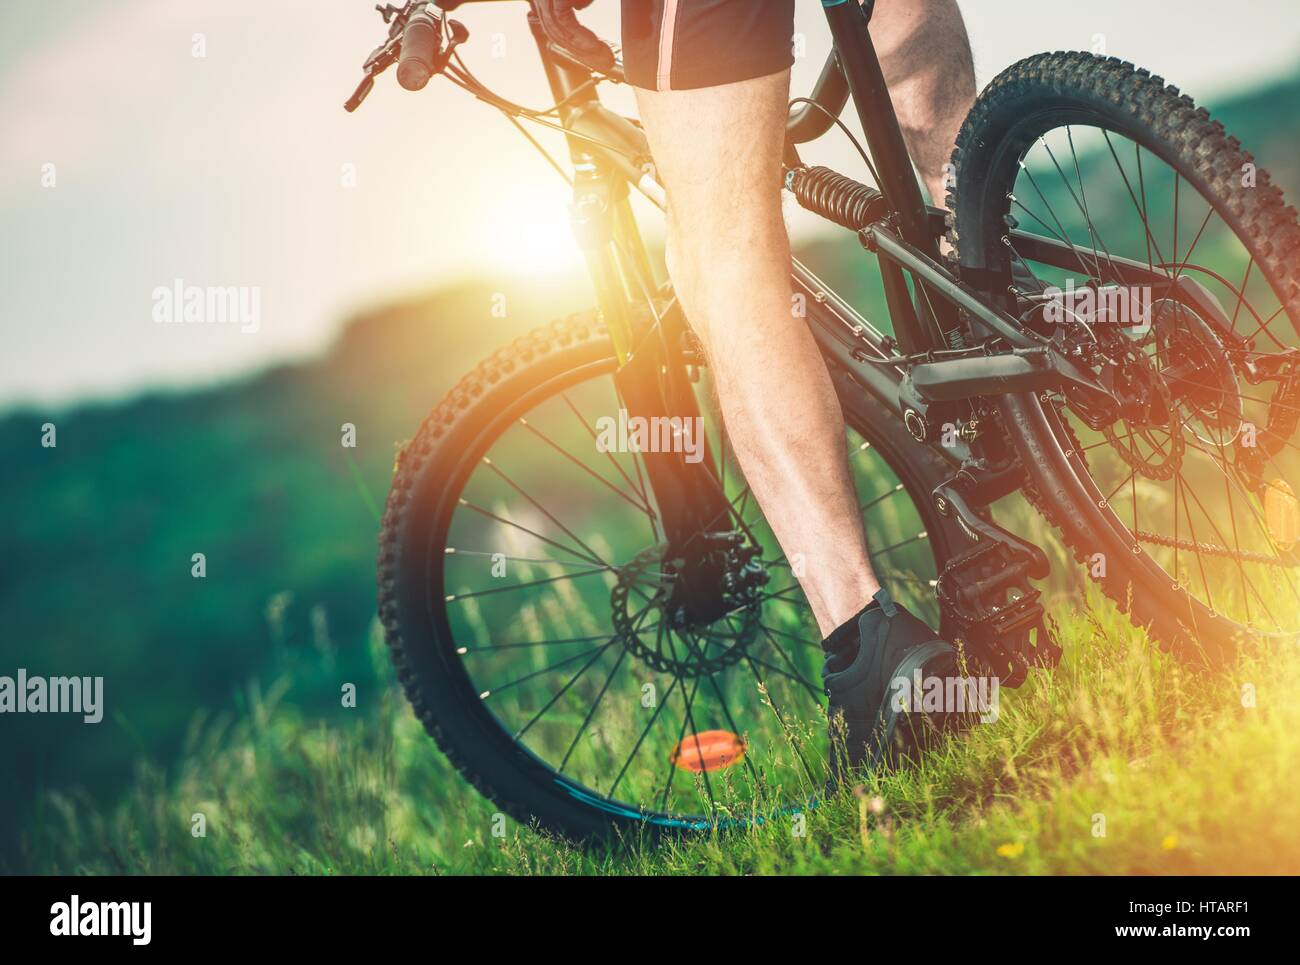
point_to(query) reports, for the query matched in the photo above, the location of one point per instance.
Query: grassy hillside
(222, 692)
(1118, 763)
(95, 568)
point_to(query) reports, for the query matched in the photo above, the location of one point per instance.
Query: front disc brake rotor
(683, 651)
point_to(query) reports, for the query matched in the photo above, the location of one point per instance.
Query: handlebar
(415, 43)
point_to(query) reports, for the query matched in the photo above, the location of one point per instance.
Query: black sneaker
(860, 673)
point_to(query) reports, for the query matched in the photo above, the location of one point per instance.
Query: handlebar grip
(420, 46)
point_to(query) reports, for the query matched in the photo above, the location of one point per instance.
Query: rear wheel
(1183, 507)
(521, 588)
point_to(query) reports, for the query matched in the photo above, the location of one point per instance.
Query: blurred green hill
(95, 557)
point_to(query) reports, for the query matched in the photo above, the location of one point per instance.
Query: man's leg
(926, 58)
(718, 154)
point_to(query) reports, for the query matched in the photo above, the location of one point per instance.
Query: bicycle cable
(466, 82)
(843, 127)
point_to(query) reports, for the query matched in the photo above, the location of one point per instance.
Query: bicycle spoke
(1187, 258)
(1122, 483)
(796, 677)
(1064, 235)
(1263, 327)
(1178, 178)
(592, 558)
(1241, 292)
(695, 733)
(592, 711)
(645, 731)
(899, 545)
(1222, 539)
(465, 651)
(622, 494)
(785, 633)
(539, 561)
(735, 728)
(1081, 202)
(456, 597)
(1200, 563)
(877, 500)
(637, 487)
(561, 692)
(672, 765)
(1141, 210)
(814, 690)
(545, 670)
(541, 509)
(778, 595)
(776, 712)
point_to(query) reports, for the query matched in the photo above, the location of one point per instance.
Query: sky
(144, 142)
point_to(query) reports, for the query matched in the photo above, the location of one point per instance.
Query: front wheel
(522, 583)
(1171, 270)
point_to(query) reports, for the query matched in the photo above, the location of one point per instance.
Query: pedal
(985, 594)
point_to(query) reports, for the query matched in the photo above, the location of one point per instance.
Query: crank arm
(950, 502)
(984, 593)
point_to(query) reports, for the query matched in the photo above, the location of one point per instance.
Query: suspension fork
(651, 380)
(654, 383)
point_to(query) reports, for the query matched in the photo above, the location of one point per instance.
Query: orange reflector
(709, 750)
(1282, 513)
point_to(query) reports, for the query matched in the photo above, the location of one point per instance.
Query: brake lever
(380, 59)
(360, 94)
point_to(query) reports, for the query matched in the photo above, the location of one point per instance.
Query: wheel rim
(549, 560)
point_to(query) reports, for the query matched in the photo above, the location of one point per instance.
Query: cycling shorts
(682, 44)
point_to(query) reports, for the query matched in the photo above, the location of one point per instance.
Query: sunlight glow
(531, 232)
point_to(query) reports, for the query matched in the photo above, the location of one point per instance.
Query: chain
(1211, 549)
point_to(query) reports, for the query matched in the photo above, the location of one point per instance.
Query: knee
(712, 267)
(726, 244)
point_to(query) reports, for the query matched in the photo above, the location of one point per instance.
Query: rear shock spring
(835, 197)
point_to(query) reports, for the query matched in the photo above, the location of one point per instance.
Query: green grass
(1186, 778)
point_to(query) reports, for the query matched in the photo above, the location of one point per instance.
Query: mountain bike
(584, 604)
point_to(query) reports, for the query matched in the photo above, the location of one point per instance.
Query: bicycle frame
(936, 323)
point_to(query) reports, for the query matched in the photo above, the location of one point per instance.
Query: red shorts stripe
(664, 76)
